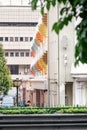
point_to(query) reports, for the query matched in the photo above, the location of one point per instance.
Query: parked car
(7, 101)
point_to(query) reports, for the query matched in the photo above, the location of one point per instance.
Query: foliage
(71, 8)
(37, 110)
(5, 79)
(73, 110)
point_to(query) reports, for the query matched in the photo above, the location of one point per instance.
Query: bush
(37, 110)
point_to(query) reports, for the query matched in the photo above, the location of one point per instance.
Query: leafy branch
(71, 8)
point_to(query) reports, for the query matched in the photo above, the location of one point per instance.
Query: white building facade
(67, 85)
(17, 28)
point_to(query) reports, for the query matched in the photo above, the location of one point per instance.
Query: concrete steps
(43, 122)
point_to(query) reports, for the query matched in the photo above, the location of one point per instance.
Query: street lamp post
(17, 82)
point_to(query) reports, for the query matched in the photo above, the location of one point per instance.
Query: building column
(34, 97)
(80, 93)
(62, 94)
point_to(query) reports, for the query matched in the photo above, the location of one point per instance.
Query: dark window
(21, 39)
(14, 69)
(16, 39)
(6, 39)
(26, 69)
(19, 24)
(27, 53)
(37, 98)
(6, 53)
(26, 39)
(1, 38)
(31, 38)
(16, 53)
(11, 39)
(22, 54)
(11, 54)
(28, 66)
(24, 95)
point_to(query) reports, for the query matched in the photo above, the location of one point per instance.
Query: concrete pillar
(62, 94)
(80, 93)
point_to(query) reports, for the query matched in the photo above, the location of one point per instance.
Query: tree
(5, 79)
(71, 8)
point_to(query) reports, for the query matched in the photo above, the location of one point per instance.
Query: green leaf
(64, 1)
(71, 2)
(60, 1)
(66, 21)
(48, 5)
(58, 26)
(42, 10)
(54, 25)
(62, 11)
(65, 10)
(75, 2)
(78, 49)
(70, 17)
(83, 1)
(83, 34)
(53, 2)
(34, 4)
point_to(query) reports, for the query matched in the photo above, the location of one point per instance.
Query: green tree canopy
(71, 8)
(5, 79)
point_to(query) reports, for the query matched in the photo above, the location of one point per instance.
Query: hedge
(37, 110)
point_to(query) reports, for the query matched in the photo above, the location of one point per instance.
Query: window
(11, 54)
(26, 53)
(16, 39)
(14, 69)
(26, 69)
(6, 39)
(6, 54)
(16, 53)
(26, 39)
(28, 66)
(21, 39)
(18, 24)
(31, 38)
(11, 39)
(22, 54)
(1, 38)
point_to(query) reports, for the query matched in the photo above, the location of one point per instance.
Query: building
(67, 85)
(17, 28)
(79, 75)
(60, 81)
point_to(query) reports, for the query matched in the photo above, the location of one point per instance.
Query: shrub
(37, 110)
